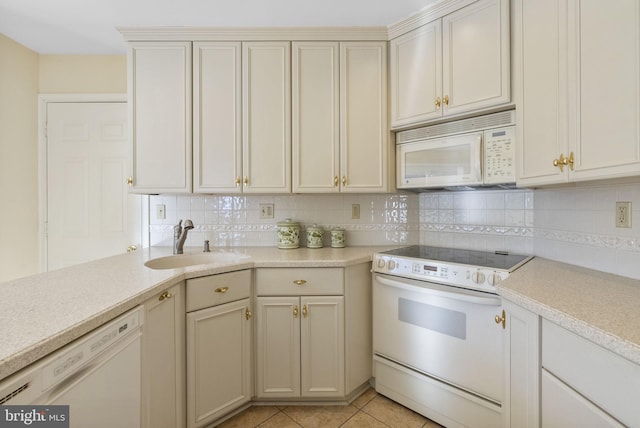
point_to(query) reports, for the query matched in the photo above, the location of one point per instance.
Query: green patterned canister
(337, 237)
(288, 234)
(314, 236)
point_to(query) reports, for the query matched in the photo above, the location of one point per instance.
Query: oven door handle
(455, 295)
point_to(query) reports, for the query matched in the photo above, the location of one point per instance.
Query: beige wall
(87, 74)
(18, 160)
(23, 75)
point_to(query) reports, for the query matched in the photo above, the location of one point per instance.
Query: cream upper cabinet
(316, 116)
(364, 148)
(217, 117)
(339, 117)
(266, 117)
(454, 65)
(576, 120)
(159, 78)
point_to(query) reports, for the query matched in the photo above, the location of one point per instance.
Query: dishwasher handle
(448, 292)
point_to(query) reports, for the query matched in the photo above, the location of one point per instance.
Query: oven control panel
(471, 277)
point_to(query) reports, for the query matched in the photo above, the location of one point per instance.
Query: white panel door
(90, 212)
(316, 117)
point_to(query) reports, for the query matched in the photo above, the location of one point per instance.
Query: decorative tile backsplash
(574, 224)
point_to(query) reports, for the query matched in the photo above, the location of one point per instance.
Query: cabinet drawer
(218, 289)
(299, 281)
(604, 378)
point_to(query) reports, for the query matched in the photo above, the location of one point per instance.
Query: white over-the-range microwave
(466, 153)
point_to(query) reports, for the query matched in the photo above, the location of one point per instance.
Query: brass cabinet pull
(438, 103)
(131, 248)
(304, 311)
(238, 181)
(502, 319)
(445, 100)
(295, 311)
(344, 180)
(336, 181)
(164, 296)
(247, 314)
(561, 162)
(130, 181)
(570, 161)
(221, 290)
(300, 281)
(246, 180)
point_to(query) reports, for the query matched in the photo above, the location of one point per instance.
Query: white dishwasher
(97, 376)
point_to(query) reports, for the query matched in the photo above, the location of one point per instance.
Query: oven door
(447, 333)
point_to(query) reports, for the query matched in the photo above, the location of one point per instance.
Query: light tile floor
(370, 410)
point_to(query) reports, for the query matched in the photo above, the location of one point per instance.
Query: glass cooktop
(496, 260)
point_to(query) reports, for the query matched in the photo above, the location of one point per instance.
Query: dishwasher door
(97, 376)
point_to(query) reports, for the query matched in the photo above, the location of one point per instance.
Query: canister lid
(287, 222)
(314, 228)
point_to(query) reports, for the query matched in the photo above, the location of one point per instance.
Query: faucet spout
(180, 235)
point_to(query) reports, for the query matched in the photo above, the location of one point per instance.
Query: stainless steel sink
(185, 260)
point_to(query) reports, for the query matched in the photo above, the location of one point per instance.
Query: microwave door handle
(478, 159)
(479, 300)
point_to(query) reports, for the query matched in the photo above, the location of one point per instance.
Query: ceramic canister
(337, 237)
(314, 236)
(288, 234)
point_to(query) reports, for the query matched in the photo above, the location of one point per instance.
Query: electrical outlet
(623, 214)
(355, 211)
(266, 210)
(161, 212)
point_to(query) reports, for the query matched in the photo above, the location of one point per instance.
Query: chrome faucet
(180, 235)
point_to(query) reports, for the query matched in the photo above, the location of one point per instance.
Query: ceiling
(89, 26)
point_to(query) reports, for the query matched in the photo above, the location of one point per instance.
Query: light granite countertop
(41, 313)
(598, 306)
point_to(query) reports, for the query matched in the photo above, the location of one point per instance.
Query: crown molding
(137, 34)
(428, 14)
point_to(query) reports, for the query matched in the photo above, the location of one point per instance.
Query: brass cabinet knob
(304, 311)
(344, 180)
(295, 311)
(221, 290)
(501, 319)
(570, 160)
(438, 103)
(336, 181)
(300, 281)
(561, 162)
(238, 181)
(130, 181)
(247, 314)
(445, 100)
(164, 296)
(131, 248)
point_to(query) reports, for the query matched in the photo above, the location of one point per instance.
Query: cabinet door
(266, 117)
(416, 75)
(278, 342)
(476, 63)
(316, 125)
(163, 380)
(217, 125)
(322, 346)
(218, 361)
(363, 117)
(522, 367)
(160, 112)
(604, 69)
(541, 91)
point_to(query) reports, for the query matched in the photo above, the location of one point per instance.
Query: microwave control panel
(499, 155)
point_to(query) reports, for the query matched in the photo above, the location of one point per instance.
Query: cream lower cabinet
(340, 136)
(219, 351)
(163, 392)
(459, 63)
(576, 119)
(313, 332)
(521, 407)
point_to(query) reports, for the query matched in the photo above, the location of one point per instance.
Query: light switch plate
(266, 211)
(161, 212)
(355, 211)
